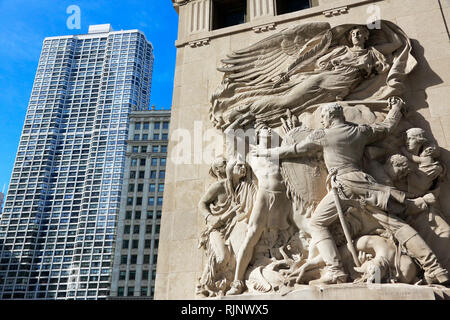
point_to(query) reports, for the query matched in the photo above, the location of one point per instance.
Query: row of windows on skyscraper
(60, 217)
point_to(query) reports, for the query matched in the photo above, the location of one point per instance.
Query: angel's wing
(261, 62)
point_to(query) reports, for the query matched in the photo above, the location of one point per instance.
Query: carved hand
(429, 198)
(395, 102)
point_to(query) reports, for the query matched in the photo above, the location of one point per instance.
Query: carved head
(397, 167)
(236, 169)
(375, 270)
(358, 35)
(415, 138)
(264, 135)
(218, 168)
(239, 169)
(330, 112)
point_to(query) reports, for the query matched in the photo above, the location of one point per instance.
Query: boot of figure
(418, 249)
(334, 272)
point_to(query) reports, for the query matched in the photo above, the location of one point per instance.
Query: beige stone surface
(179, 261)
(181, 285)
(350, 292)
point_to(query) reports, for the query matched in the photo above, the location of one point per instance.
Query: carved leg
(415, 246)
(257, 224)
(419, 250)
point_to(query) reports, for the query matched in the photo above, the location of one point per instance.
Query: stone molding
(335, 11)
(264, 27)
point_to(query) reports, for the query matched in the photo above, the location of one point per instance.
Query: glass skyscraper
(64, 195)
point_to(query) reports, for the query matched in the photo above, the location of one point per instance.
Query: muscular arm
(394, 44)
(411, 157)
(235, 136)
(305, 147)
(382, 129)
(211, 194)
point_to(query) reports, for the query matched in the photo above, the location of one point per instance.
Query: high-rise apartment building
(60, 213)
(2, 197)
(139, 220)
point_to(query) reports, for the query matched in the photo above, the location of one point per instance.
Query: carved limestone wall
(279, 257)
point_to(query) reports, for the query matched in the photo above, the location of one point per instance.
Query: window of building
(155, 149)
(164, 149)
(135, 244)
(164, 137)
(142, 162)
(161, 187)
(227, 13)
(133, 161)
(151, 201)
(122, 275)
(137, 215)
(132, 174)
(129, 201)
(154, 162)
(152, 174)
(131, 188)
(137, 126)
(128, 215)
(145, 275)
(139, 201)
(151, 187)
(123, 259)
(157, 125)
(160, 201)
(136, 229)
(144, 291)
(126, 229)
(120, 291)
(156, 136)
(140, 187)
(133, 259)
(141, 174)
(162, 174)
(286, 6)
(130, 291)
(145, 137)
(162, 161)
(146, 125)
(125, 244)
(165, 125)
(143, 149)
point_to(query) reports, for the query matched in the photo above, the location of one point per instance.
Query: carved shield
(305, 177)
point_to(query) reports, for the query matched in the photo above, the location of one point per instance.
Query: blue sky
(25, 24)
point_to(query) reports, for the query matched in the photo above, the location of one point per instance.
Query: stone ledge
(351, 291)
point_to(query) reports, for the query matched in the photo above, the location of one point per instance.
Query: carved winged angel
(309, 64)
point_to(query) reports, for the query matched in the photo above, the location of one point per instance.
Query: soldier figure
(343, 145)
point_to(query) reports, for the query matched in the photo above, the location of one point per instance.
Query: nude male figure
(271, 208)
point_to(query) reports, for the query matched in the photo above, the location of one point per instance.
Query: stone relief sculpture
(310, 64)
(351, 192)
